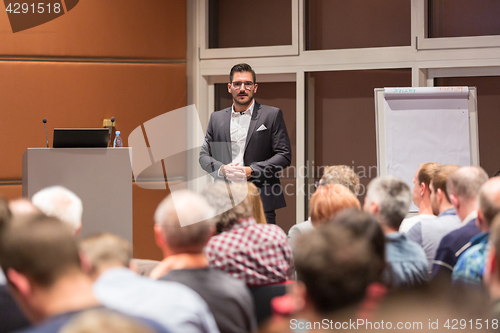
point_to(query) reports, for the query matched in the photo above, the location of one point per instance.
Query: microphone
(45, 125)
(111, 130)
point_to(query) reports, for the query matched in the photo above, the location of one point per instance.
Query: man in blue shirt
(388, 199)
(469, 268)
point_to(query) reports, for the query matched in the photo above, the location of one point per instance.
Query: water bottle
(118, 140)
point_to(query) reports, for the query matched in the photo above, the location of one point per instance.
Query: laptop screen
(80, 138)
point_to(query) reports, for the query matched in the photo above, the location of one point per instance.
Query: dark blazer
(267, 151)
(11, 317)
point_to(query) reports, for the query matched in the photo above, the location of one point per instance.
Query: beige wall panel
(79, 95)
(104, 29)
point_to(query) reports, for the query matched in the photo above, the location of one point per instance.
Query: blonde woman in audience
(258, 210)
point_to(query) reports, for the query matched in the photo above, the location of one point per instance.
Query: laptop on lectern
(80, 138)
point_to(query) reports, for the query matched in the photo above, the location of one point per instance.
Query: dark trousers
(270, 217)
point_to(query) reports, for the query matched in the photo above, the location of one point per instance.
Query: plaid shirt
(259, 254)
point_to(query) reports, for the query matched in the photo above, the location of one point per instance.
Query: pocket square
(261, 128)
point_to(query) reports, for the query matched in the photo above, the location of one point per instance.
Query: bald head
(466, 182)
(194, 211)
(489, 199)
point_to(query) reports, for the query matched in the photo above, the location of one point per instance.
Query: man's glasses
(242, 85)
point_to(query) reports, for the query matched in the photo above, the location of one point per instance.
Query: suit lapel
(253, 123)
(226, 130)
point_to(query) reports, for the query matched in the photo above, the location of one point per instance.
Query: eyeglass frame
(248, 85)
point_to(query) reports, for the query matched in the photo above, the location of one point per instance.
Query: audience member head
(60, 202)
(440, 200)
(340, 174)
(491, 276)
(388, 198)
(22, 207)
(170, 236)
(37, 253)
(104, 251)
(231, 203)
(334, 268)
(258, 209)
(104, 321)
(489, 203)
(328, 200)
(364, 225)
(421, 182)
(462, 187)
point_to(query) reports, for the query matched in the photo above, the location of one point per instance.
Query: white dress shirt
(240, 122)
(470, 217)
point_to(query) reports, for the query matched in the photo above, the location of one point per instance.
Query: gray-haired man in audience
(59, 202)
(228, 298)
(388, 199)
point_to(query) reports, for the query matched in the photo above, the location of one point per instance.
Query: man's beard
(246, 102)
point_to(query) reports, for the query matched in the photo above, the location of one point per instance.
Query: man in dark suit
(248, 141)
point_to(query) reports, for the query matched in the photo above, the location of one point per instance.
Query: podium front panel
(101, 177)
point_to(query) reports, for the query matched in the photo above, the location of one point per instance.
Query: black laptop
(80, 138)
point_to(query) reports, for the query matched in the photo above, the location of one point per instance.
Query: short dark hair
(40, 247)
(5, 213)
(364, 225)
(241, 68)
(335, 266)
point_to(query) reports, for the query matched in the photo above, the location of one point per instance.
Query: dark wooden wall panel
(339, 24)
(104, 29)
(345, 118)
(488, 99)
